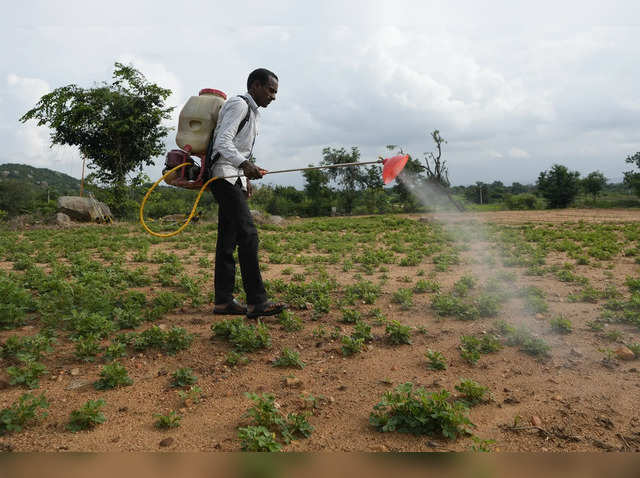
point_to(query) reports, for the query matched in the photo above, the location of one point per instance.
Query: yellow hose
(193, 210)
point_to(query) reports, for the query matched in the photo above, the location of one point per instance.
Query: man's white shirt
(234, 148)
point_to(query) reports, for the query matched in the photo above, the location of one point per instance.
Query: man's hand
(252, 171)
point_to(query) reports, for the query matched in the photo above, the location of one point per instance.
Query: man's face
(265, 94)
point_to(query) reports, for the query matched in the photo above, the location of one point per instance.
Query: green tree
(316, 188)
(350, 178)
(559, 186)
(632, 178)
(594, 183)
(116, 125)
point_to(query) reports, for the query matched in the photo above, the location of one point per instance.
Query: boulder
(84, 209)
(62, 219)
(265, 218)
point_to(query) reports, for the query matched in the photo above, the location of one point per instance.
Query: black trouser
(236, 228)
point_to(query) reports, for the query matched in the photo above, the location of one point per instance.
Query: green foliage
(561, 325)
(113, 375)
(118, 125)
(594, 183)
(350, 316)
(472, 392)
(15, 417)
(397, 333)
(16, 302)
(409, 410)
(258, 439)
(245, 338)
(351, 345)
(87, 417)
(264, 413)
(114, 351)
(559, 186)
(523, 338)
(404, 297)
(436, 360)
(32, 347)
(168, 421)
(463, 285)
(193, 395)
(87, 348)
(183, 377)
(362, 331)
(424, 285)
(472, 346)
(289, 321)
(28, 375)
(234, 358)
(288, 358)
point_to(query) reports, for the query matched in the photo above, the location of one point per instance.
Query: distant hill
(41, 177)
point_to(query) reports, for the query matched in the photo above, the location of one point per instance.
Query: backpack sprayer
(197, 122)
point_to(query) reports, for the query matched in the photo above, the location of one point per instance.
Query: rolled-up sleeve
(232, 113)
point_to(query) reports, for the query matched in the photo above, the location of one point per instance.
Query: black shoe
(266, 308)
(232, 308)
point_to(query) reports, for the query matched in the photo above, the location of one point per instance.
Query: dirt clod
(165, 442)
(624, 353)
(536, 421)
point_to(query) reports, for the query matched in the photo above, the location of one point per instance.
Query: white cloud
(518, 153)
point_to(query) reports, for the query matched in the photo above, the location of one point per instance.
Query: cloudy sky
(513, 86)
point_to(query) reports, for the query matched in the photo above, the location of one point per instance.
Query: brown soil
(581, 404)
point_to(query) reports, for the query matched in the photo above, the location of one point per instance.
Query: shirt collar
(252, 102)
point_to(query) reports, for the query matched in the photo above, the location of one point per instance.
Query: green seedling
(472, 392)
(234, 358)
(193, 395)
(22, 412)
(258, 439)
(168, 421)
(398, 334)
(561, 325)
(113, 375)
(28, 375)
(183, 377)
(351, 345)
(87, 417)
(289, 321)
(409, 410)
(436, 360)
(288, 358)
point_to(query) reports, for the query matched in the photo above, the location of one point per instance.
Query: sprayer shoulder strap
(240, 126)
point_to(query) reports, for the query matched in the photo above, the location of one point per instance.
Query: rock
(625, 353)
(342, 388)
(84, 209)
(536, 421)
(165, 442)
(293, 382)
(576, 353)
(62, 219)
(75, 372)
(539, 317)
(79, 385)
(379, 449)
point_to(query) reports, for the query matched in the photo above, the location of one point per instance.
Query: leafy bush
(86, 417)
(561, 325)
(87, 348)
(436, 360)
(183, 377)
(288, 358)
(362, 331)
(245, 338)
(404, 297)
(32, 347)
(165, 422)
(21, 412)
(523, 201)
(192, 395)
(397, 333)
(114, 351)
(258, 439)
(472, 392)
(351, 345)
(112, 376)
(289, 321)
(424, 285)
(409, 410)
(265, 414)
(350, 316)
(28, 375)
(471, 347)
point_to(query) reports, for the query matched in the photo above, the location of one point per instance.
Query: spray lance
(391, 167)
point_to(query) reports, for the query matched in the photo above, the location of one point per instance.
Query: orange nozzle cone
(393, 166)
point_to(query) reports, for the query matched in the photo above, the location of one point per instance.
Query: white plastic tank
(198, 119)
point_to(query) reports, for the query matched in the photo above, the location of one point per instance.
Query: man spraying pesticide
(226, 160)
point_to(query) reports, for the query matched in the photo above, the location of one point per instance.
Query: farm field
(517, 331)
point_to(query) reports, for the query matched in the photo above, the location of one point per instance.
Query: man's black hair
(262, 75)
